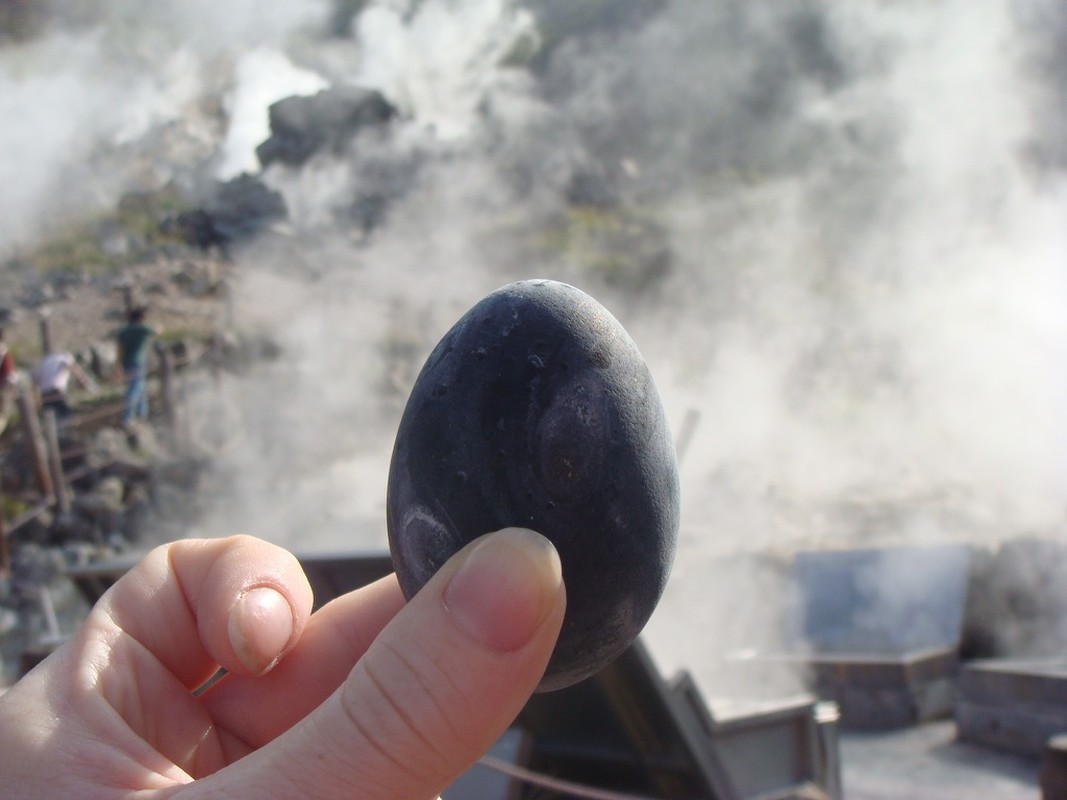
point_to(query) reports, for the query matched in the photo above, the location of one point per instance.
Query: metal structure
(1016, 706)
(876, 631)
(625, 732)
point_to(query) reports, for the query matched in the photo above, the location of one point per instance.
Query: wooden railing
(40, 432)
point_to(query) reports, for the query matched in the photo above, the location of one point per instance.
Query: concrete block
(1054, 769)
(1015, 706)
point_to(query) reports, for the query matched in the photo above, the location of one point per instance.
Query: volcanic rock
(302, 126)
(237, 209)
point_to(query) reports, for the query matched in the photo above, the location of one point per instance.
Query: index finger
(333, 640)
(177, 601)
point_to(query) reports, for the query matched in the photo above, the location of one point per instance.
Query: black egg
(536, 410)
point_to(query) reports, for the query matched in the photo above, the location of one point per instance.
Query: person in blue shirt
(133, 339)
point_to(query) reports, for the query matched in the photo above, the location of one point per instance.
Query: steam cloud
(863, 205)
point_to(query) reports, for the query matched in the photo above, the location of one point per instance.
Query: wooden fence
(40, 432)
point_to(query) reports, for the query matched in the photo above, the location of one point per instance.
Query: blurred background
(836, 231)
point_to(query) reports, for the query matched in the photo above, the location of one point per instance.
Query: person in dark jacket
(133, 339)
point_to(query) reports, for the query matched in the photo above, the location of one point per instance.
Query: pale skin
(370, 697)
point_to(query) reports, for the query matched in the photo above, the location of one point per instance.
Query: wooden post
(55, 461)
(51, 621)
(166, 390)
(46, 336)
(166, 381)
(32, 429)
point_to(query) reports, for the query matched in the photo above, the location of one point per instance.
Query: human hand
(435, 682)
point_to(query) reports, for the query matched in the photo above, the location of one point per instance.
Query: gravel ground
(928, 763)
(183, 296)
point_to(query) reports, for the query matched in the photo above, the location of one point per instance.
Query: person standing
(133, 340)
(52, 377)
(7, 382)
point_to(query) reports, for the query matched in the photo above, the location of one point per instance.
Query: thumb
(439, 685)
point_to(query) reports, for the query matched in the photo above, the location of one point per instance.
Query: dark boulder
(237, 209)
(302, 126)
(380, 182)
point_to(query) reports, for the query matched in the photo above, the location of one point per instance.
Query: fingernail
(261, 624)
(505, 588)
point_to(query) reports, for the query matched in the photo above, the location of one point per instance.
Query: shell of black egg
(536, 410)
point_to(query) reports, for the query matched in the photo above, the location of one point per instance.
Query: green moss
(107, 394)
(25, 347)
(140, 220)
(12, 507)
(619, 247)
(169, 336)
(144, 214)
(76, 250)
